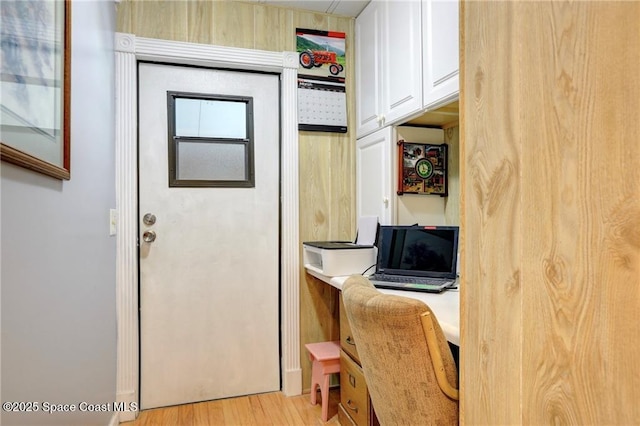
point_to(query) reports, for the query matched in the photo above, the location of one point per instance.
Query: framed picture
(35, 85)
(422, 168)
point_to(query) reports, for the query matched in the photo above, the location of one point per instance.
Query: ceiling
(335, 7)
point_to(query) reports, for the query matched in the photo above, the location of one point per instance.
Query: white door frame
(130, 49)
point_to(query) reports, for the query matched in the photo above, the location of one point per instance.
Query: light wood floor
(263, 409)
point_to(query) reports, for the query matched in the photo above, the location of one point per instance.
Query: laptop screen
(421, 251)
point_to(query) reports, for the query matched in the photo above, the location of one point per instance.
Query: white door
(209, 303)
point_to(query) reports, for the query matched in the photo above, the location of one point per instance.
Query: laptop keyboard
(409, 280)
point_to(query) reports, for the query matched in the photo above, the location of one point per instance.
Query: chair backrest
(395, 356)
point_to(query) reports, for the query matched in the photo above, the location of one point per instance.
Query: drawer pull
(350, 341)
(352, 380)
(353, 408)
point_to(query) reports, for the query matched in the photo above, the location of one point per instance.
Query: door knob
(149, 236)
(149, 219)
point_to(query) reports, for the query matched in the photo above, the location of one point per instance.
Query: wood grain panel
(491, 294)
(200, 22)
(552, 161)
(327, 203)
(452, 202)
(123, 17)
(310, 20)
(343, 145)
(233, 24)
(581, 252)
(272, 29)
(327, 164)
(164, 19)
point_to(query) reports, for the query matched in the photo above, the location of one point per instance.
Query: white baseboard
(114, 420)
(292, 383)
(130, 398)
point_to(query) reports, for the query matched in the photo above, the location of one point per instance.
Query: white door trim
(130, 49)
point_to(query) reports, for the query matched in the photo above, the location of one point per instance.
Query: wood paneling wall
(327, 164)
(550, 122)
(452, 201)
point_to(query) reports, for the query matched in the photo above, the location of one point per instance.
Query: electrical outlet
(112, 222)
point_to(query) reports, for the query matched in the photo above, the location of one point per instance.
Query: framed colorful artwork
(422, 168)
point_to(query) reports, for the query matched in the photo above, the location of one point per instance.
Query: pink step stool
(325, 359)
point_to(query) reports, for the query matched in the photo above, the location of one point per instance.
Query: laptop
(416, 258)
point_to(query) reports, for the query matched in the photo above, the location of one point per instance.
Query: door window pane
(211, 118)
(210, 140)
(211, 161)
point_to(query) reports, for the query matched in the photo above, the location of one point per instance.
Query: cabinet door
(441, 52)
(368, 84)
(374, 176)
(401, 60)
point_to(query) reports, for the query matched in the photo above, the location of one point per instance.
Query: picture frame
(422, 168)
(36, 86)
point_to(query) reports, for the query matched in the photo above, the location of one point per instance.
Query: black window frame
(248, 143)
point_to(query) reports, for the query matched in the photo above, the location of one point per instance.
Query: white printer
(337, 258)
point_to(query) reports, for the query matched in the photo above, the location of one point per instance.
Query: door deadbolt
(149, 236)
(149, 219)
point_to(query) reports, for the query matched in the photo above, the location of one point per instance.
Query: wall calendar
(322, 100)
(321, 106)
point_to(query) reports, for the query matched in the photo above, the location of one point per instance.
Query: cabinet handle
(380, 120)
(353, 408)
(352, 380)
(350, 341)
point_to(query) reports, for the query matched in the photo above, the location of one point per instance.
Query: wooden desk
(445, 305)
(355, 406)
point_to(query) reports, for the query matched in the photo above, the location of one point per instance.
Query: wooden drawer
(346, 338)
(354, 396)
(343, 417)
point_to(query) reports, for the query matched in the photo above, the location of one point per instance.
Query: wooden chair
(406, 360)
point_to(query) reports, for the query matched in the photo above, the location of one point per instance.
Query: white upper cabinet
(375, 194)
(388, 64)
(440, 26)
(368, 56)
(401, 60)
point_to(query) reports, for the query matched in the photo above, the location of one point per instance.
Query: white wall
(415, 208)
(58, 261)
